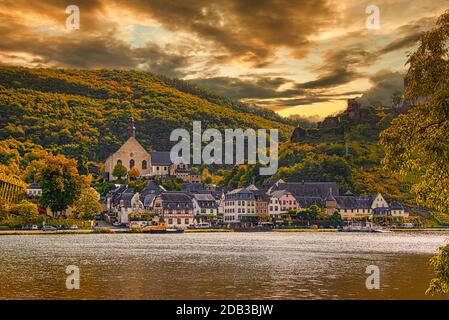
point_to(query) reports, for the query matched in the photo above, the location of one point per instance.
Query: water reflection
(217, 266)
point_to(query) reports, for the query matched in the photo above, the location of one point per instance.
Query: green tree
(208, 180)
(417, 143)
(61, 184)
(336, 219)
(88, 204)
(25, 209)
(313, 212)
(119, 171)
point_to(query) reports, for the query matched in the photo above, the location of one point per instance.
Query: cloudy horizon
(294, 57)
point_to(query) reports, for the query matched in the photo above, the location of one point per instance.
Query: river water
(218, 265)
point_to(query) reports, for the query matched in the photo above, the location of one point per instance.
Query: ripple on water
(217, 266)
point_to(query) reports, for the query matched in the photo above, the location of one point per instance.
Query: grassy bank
(305, 230)
(207, 230)
(40, 232)
(419, 229)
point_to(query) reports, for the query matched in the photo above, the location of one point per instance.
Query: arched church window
(119, 162)
(144, 164)
(131, 163)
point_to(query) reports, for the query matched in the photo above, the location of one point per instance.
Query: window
(119, 161)
(144, 164)
(131, 163)
(186, 221)
(170, 221)
(178, 220)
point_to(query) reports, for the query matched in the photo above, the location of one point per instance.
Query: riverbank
(123, 230)
(305, 230)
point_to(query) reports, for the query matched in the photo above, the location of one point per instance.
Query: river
(218, 265)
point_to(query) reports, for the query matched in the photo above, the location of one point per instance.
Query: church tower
(132, 128)
(331, 203)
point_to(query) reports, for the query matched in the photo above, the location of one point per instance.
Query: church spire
(132, 128)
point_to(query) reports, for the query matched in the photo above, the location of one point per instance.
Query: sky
(303, 57)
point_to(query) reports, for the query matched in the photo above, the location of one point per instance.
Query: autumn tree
(417, 143)
(133, 173)
(119, 171)
(440, 263)
(25, 209)
(88, 204)
(61, 184)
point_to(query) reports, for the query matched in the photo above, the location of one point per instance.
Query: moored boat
(161, 227)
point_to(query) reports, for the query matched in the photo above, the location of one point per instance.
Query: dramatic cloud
(280, 54)
(385, 84)
(249, 32)
(258, 87)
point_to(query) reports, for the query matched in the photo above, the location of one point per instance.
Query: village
(197, 205)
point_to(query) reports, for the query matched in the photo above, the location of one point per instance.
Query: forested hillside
(347, 152)
(84, 113)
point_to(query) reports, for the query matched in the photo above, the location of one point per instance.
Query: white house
(205, 208)
(239, 206)
(34, 190)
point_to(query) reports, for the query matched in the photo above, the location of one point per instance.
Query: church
(150, 165)
(130, 154)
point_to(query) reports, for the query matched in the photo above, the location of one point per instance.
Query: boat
(357, 228)
(380, 230)
(161, 227)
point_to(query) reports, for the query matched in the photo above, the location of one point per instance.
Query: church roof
(307, 202)
(131, 144)
(160, 158)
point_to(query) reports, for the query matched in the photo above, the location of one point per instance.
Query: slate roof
(176, 200)
(394, 205)
(152, 188)
(308, 189)
(352, 202)
(240, 194)
(307, 202)
(160, 158)
(126, 197)
(34, 186)
(148, 200)
(279, 193)
(260, 195)
(205, 200)
(203, 197)
(192, 187)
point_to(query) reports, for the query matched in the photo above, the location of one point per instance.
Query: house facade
(205, 208)
(176, 208)
(34, 190)
(239, 207)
